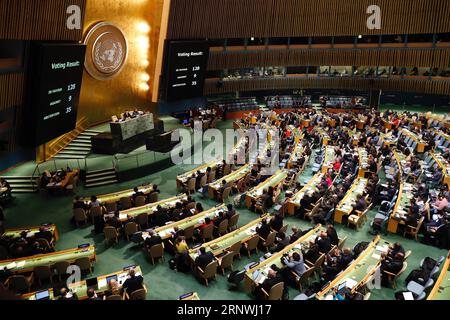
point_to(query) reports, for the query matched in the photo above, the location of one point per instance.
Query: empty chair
(212, 176)
(304, 297)
(236, 249)
(19, 283)
(226, 170)
(43, 273)
(142, 221)
(418, 289)
(139, 201)
(155, 252)
(232, 223)
(189, 232)
(209, 272)
(140, 294)
(252, 244)
(61, 268)
(407, 254)
(304, 279)
(283, 229)
(342, 243)
(84, 264)
(203, 181)
(111, 234)
(207, 233)
(268, 243)
(275, 293)
(227, 261)
(80, 216)
(125, 203)
(130, 229)
(225, 195)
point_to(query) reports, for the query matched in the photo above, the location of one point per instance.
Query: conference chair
(43, 273)
(225, 195)
(140, 294)
(275, 293)
(153, 197)
(222, 228)
(19, 283)
(392, 278)
(252, 244)
(318, 264)
(342, 243)
(114, 297)
(142, 221)
(226, 170)
(190, 205)
(407, 254)
(139, 201)
(227, 262)
(95, 212)
(212, 176)
(111, 207)
(283, 229)
(111, 234)
(125, 203)
(268, 243)
(130, 229)
(236, 249)
(80, 216)
(207, 233)
(155, 252)
(203, 181)
(189, 232)
(48, 246)
(190, 186)
(232, 223)
(61, 269)
(304, 278)
(209, 272)
(84, 264)
(414, 231)
(419, 290)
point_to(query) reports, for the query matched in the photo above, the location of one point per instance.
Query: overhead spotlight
(360, 37)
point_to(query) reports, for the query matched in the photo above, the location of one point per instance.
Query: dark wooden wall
(438, 58)
(401, 85)
(217, 19)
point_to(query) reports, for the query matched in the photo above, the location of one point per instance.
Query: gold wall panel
(140, 20)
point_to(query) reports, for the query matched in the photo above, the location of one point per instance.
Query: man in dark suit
(296, 234)
(332, 235)
(204, 258)
(272, 279)
(230, 211)
(264, 230)
(44, 233)
(133, 282)
(313, 253)
(92, 295)
(153, 239)
(323, 242)
(137, 193)
(78, 204)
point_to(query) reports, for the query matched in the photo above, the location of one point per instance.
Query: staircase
(22, 184)
(78, 148)
(101, 178)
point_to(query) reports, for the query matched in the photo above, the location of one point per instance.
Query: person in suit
(277, 222)
(153, 239)
(332, 235)
(273, 278)
(323, 242)
(198, 179)
(133, 283)
(65, 294)
(137, 193)
(283, 242)
(79, 204)
(296, 234)
(230, 211)
(391, 265)
(264, 230)
(313, 253)
(44, 233)
(344, 259)
(92, 295)
(204, 258)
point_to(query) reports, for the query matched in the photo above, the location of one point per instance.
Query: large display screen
(185, 71)
(55, 78)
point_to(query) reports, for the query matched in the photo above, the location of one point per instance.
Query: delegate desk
(354, 135)
(274, 181)
(150, 208)
(400, 210)
(344, 208)
(296, 154)
(358, 272)
(232, 178)
(363, 161)
(309, 187)
(328, 159)
(221, 245)
(132, 127)
(323, 134)
(441, 289)
(182, 179)
(27, 264)
(259, 271)
(64, 182)
(421, 144)
(80, 288)
(444, 165)
(165, 232)
(116, 196)
(31, 231)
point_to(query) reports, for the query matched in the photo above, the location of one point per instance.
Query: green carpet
(162, 282)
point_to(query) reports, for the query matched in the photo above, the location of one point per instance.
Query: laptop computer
(42, 295)
(108, 279)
